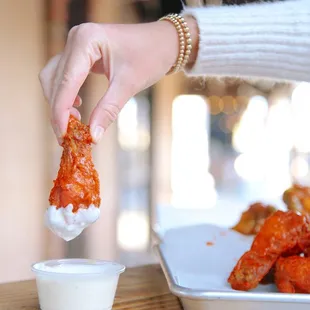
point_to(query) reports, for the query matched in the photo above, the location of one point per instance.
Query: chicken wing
(292, 274)
(297, 198)
(253, 218)
(74, 199)
(281, 232)
(77, 182)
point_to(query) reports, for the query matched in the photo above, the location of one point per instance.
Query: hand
(133, 57)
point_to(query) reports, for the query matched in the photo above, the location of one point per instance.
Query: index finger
(71, 73)
(71, 78)
(47, 76)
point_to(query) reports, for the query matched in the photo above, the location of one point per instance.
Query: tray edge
(184, 292)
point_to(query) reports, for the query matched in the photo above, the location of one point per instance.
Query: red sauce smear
(77, 182)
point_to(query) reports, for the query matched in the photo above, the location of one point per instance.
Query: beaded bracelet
(185, 41)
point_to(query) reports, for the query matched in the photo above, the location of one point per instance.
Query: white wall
(23, 190)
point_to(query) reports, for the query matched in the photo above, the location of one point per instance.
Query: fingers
(75, 113)
(77, 102)
(73, 68)
(107, 110)
(66, 91)
(98, 67)
(47, 75)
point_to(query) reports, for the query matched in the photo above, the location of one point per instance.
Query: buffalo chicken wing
(253, 218)
(74, 199)
(282, 232)
(297, 198)
(292, 274)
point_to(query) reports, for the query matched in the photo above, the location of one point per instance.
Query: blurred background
(185, 151)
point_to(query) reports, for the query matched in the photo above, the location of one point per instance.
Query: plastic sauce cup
(77, 284)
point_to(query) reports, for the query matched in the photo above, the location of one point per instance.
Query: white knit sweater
(270, 40)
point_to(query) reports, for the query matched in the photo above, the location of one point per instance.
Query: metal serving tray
(197, 261)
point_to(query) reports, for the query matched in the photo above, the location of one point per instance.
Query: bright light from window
(250, 167)
(249, 133)
(133, 230)
(299, 167)
(278, 127)
(192, 184)
(301, 92)
(264, 137)
(128, 118)
(301, 112)
(131, 136)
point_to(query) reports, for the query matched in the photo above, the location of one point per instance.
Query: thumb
(107, 110)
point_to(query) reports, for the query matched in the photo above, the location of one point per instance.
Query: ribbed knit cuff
(258, 40)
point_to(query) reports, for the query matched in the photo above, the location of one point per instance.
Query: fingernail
(77, 101)
(97, 133)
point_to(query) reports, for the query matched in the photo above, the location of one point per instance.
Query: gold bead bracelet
(185, 41)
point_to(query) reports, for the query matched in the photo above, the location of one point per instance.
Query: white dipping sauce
(77, 284)
(68, 225)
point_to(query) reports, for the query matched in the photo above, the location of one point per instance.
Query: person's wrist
(170, 42)
(171, 39)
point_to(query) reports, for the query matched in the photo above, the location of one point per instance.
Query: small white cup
(77, 284)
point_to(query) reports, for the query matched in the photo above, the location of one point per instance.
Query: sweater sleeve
(270, 40)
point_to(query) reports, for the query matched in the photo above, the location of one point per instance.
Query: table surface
(142, 288)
